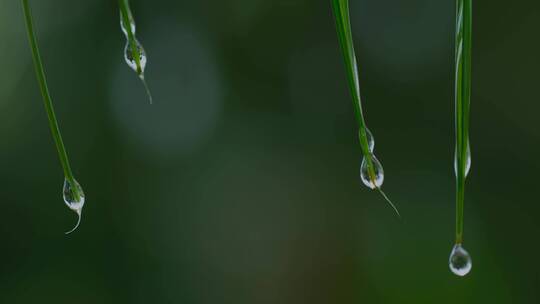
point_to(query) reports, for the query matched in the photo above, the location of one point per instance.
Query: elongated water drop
(467, 161)
(460, 261)
(370, 139)
(130, 58)
(375, 178)
(74, 199)
(133, 47)
(131, 23)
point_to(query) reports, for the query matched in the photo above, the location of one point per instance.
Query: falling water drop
(131, 23)
(467, 161)
(130, 58)
(370, 139)
(375, 179)
(460, 261)
(74, 199)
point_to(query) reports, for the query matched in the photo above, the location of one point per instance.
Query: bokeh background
(241, 183)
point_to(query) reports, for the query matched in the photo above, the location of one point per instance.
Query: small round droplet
(460, 261)
(370, 139)
(130, 58)
(375, 178)
(131, 23)
(74, 199)
(467, 161)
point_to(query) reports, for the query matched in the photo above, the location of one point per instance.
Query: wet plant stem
(340, 9)
(343, 28)
(127, 18)
(126, 13)
(40, 74)
(462, 103)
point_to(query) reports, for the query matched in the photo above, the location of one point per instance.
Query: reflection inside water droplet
(74, 198)
(375, 178)
(130, 58)
(460, 261)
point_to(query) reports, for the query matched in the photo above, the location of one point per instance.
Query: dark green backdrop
(241, 183)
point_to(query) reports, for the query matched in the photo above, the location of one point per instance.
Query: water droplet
(74, 199)
(375, 179)
(467, 161)
(130, 59)
(131, 22)
(370, 139)
(460, 261)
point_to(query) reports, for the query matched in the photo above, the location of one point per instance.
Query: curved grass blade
(134, 53)
(340, 9)
(460, 262)
(389, 202)
(73, 195)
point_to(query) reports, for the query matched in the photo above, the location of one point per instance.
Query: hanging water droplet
(73, 195)
(370, 139)
(467, 161)
(74, 199)
(372, 179)
(460, 261)
(130, 58)
(134, 53)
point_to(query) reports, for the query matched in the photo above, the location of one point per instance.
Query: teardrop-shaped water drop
(370, 139)
(467, 161)
(130, 58)
(460, 261)
(74, 198)
(131, 23)
(372, 179)
(73, 195)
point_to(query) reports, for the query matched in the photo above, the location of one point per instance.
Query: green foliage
(343, 28)
(40, 74)
(463, 97)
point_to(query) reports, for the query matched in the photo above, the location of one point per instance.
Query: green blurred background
(241, 183)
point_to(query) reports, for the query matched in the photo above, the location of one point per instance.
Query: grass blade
(72, 192)
(462, 105)
(460, 261)
(40, 74)
(343, 28)
(340, 9)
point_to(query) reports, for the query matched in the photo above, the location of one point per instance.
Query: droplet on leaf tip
(373, 179)
(74, 198)
(460, 261)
